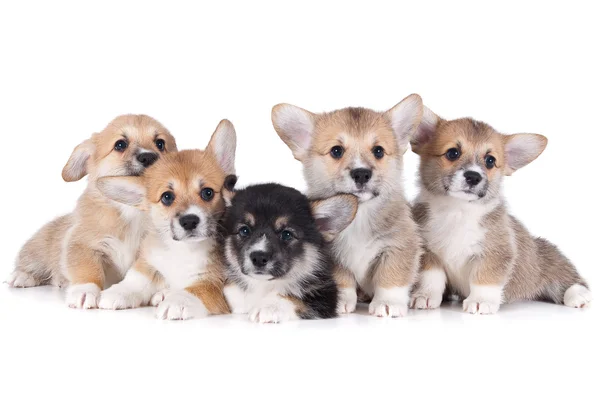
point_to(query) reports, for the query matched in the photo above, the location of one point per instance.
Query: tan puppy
(97, 243)
(474, 247)
(359, 151)
(179, 259)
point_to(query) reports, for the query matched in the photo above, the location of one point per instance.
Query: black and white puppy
(276, 248)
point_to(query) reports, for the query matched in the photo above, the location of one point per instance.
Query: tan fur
(301, 309)
(344, 277)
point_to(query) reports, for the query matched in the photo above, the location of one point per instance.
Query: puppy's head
(183, 193)
(354, 150)
(274, 232)
(128, 145)
(468, 159)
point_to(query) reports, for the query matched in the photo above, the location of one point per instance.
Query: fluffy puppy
(474, 247)
(278, 260)
(97, 243)
(179, 268)
(359, 151)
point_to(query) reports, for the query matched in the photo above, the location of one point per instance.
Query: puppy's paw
(389, 302)
(116, 298)
(577, 296)
(426, 300)
(83, 296)
(347, 301)
(158, 298)
(180, 305)
(475, 306)
(276, 312)
(484, 299)
(21, 279)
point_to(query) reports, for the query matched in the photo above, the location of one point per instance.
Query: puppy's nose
(260, 258)
(361, 176)
(147, 158)
(473, 178)
(189, 222)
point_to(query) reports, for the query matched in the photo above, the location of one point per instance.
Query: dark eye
(378, 152)
(286, 235)
(121, 145)
(167, 198)
(207, 194)
(453, 154)
(490, 161)
(244, 231)
(337, 152)
(160, 144)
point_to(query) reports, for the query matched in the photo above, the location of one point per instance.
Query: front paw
(426, 300)
(116, 298)
(181, 305)
(484, 299)
(158, 298)
(389, 302)
(347, 300)
(83, 296)
(479, 306)
(276, 312)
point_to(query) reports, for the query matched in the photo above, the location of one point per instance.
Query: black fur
(266, 203)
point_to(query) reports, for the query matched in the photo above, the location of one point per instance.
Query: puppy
(179, 268)
(359, 151)
(278, 260)
(474, 247)
(97, 243)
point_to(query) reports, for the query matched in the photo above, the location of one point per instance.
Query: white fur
(158, 297)
(133, 291)
(181, 305)
(390, 302)
(83, 296)
(484, 299)
(21, 279)
(347, 299)
(236, 299)
(430, 291)
(577, 296)
(273, 309)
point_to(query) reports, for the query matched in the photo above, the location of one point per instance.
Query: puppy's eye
(160, 144)
(286, 235)
(207, 194)
(121, 145)
(167, 198)
(337, 152)
(244, 231)
(490, 161)
(378, 152)
(453, 154)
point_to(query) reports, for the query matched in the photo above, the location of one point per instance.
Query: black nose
(189, 222)
(473, 178)
(147, 158)
(361, 176)
(260, 259)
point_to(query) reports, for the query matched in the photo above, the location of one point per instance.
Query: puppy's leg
(84, 269)
(137, 288)
(276, 308)
(210, 292)
(488, 276)
(430, 288)
(346, 282)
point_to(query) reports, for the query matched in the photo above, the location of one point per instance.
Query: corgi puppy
(179, 267)
(474, 247)
(97, 243)
(359, 151)
(278, 263)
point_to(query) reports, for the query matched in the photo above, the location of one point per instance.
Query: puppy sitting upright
(359, 151)
(97, 243)
(179, 261)
(279, 265)
(474, 247)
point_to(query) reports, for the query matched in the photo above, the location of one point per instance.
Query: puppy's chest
(180, 266)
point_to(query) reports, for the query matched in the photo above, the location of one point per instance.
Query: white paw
(83, 296)
(117, 298)
(347, 301)
(158, 298)
(474, 305)
(389, 302)
(274, 312)
(21, 279)
(426, 300)
(181, 305)
(430, 291)
(577, 296)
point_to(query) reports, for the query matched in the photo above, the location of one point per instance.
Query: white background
(66, 69)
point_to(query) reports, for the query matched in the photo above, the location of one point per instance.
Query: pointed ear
(228, 190)
(77, 165)
(426, 130)
(405, 118)
(127, 190)
(334, 214)
(295, 126)
(522, 149)
(222, 144)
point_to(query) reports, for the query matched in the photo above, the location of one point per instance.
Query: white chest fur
(181, 263)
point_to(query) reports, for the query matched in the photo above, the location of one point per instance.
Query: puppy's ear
(334, 214)
(127, 190)
(522, 149)
(405, 118)
(222, 145)
(77, 165)
(228, 190)
(425, 131)
(295, 126)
